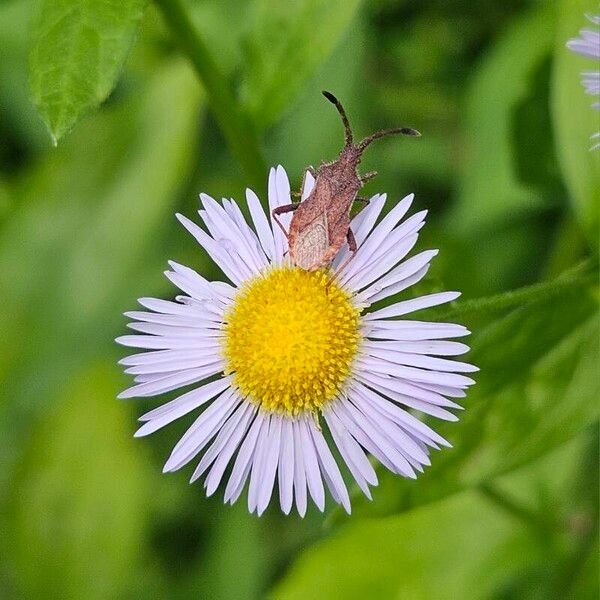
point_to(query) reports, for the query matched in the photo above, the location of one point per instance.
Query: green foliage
(287, 42)
(418, 555)
(463, 546)
(78, 53)
(80, 503)
(574, 119)
(511, 511)
(538, 391)
(491, 190)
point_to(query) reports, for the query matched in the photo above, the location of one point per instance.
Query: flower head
(588, 45)
(280, 356)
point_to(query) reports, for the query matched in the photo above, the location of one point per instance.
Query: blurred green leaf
(531, 539)
(99, 206)
(78, 51)
(574, 119)
(537, 388)
(490, 188)
(142, 194)
(80, 499)
(287, 41)
(439, 551)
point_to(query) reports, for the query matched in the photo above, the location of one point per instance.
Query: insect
(321, 223)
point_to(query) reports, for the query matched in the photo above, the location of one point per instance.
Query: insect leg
(352, 246)
(365, 203)
(280, 210)
(368, 176)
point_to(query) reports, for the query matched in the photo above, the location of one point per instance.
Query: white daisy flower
(278, 355)
(588, 45)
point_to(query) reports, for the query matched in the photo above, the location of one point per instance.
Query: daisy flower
(289, 363)
(588, 45)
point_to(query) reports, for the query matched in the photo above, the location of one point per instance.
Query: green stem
(583, 275)
(234, 124)
(520, 512)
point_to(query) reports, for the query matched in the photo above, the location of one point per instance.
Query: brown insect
(321, 222)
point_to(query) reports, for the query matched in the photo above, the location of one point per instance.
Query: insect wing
(312, 243)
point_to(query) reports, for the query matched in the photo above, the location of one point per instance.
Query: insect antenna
(348, 130)
(384, 132)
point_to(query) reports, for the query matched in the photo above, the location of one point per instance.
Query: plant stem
(523, 513)
(583, 275)
(234, 124)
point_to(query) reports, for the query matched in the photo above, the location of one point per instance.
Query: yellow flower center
(290, 338)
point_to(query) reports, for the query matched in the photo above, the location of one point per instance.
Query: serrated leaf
(287, 43)
(574, 118)
(78, 52)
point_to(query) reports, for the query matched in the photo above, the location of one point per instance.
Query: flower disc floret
(290, 339)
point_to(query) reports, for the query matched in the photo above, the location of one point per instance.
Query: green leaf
(490, 191)
(439, 552)
(515, 540)
(78, 51)
(537, 388)
(109, 194)
(80, 499)
(574, 119)
(288, 41)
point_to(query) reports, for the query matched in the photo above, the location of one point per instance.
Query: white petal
(286, 466)
(399, 462)
(267, 480)
(261, 224)
(379, 264)
(169, 343)
(351, 452)
(311, 466)
(381, 252)
(408, 306)
(166, 307)
(279, 195)
(419, 360)
(376, 237)
(361, 226)
(212, 330)
(308, 185)
(411, 395)
(244, 459)
(394, 369)
(363, 223)
(224, 227)
(402, 417)
(169, 412)
(299, 471)
(402, 389)
(329, 468)
(236, 272)
(381, 288)
(259, 460)
(395, 434)
(192, 283)
(339, 409)
(192, 320)
(172, 381)
(202, 430)
(224, 446)
(439, 348)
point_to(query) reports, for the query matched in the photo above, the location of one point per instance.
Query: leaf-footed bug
(321, 223)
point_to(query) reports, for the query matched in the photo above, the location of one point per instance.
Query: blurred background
(86, 227)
